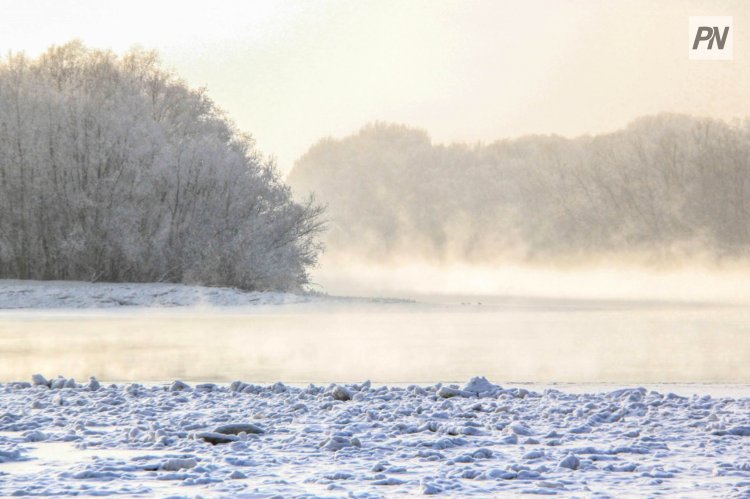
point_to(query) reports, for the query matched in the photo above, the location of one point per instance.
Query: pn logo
(710, 38)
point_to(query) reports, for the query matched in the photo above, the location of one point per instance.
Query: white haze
(467, 282)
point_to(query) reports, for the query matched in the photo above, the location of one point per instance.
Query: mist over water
(521, 339)
(466, 282)
(613, 324)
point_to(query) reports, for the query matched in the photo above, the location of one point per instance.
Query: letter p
(704, 34)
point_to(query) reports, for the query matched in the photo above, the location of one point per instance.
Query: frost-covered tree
(112, 168)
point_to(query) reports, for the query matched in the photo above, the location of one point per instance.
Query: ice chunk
(341, 393)
(35, 436)
(10, 455)
(480, 384)
(389, 481)
(338, 442)
(177, 464)
(428, 489)
(58, 383)
(93, 384)
(521, 429)
(216, 438)
(570, 461)
(448, 392)
(179, 386)
(237, 386)
(279, 387)
(237, 428)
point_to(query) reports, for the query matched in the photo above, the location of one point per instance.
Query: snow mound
(479, 385)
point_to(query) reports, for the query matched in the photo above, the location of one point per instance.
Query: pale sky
(293, 72)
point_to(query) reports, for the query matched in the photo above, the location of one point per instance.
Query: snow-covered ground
(20, 294)
(258, 441)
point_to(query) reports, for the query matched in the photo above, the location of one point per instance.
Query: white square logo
(710, 38)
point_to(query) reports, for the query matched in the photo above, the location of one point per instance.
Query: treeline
(666, 186)
(113, 169)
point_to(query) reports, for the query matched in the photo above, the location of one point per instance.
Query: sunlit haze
(292, 72)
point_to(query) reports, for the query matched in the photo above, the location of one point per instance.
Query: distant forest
(666, 186)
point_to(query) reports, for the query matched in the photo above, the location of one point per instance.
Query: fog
(664, 190)
(528, 342)
(499, 283)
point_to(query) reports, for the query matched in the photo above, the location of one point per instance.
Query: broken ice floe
(455, 440)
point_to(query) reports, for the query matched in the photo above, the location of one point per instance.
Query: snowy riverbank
(19, 294)
(479, 439)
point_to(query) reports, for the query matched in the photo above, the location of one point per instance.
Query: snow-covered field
(366, 441)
